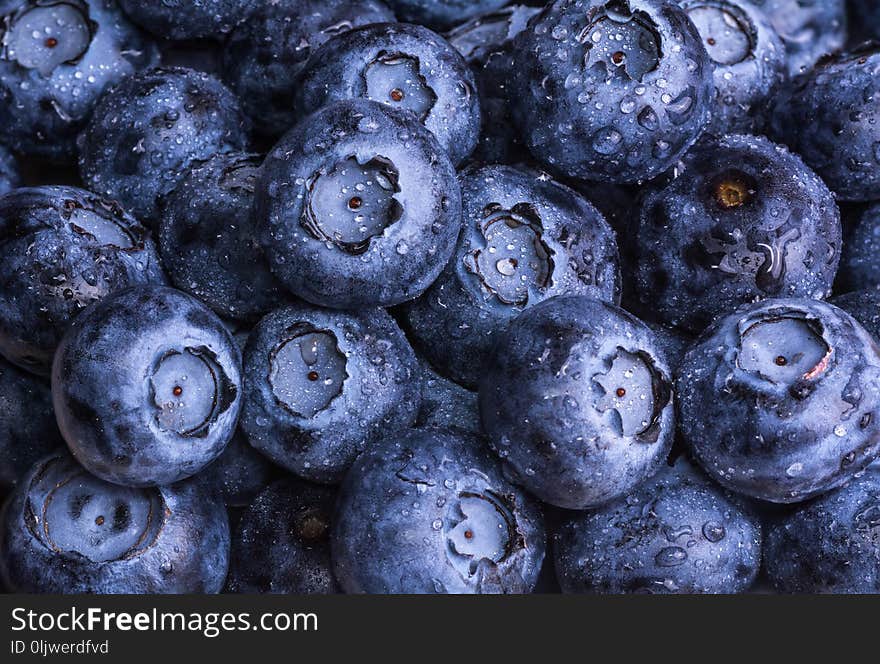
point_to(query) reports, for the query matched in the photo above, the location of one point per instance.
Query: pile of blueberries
(440, 296)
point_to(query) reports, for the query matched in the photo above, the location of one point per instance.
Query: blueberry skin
(830, 118)
(185, 19)
(357, 65)
(407, 508)
(282, 545)
(442, 13)
(859, 267)
(265, 55)
(120, 390)
(447, 405)
(10, 175)
(864, 306)
(28, 431)
(749, 59)
(623, 118)
(207, 238)
(675, 534)
(422, 217)
(170, 539)
(44, 103)
(239, 473)
(745, 220)
(312, 427)
(577, 401)
(788, 429)
(572, 251)
(150, 128)
(809, 29)
(486, 43)
(864, 19)
(829, 545)
(61, 249)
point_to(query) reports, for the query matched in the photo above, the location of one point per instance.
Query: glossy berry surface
(240, 473)
(448, 521)
(447, 405)
(441, 13)
(58, 58)
(859, 267)
(65, 531)
(525, 239)
(744, 220)
(351, 216)
(576, 400)
(614, 91)
(677, 533)
(147, 387)
(150, 128)
(208, 238)
(282, 545)
(189, 19)
(779, 401)
(321, 385)
(61, 249)
(405, 67)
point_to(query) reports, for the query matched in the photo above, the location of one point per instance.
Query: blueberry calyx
(394, 79)
(621, 41)
(44, 35)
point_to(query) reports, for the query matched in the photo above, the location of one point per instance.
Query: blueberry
(829, 545)
(403, 66)
(239, 473)
(577, 401)
(147, 387)
(359, 206)
(428, 511)
(66, 531)
(442, 13)
(749, 60)
(613, 91)
(864, 306)
(207, 238)
(447, 405)
(10, 175)
(484, 34)
(320, 385)
(58, 57)
(526, 238)
(150, 128)
(185, 19)
(744, 220)
(265, 54)
(62, 248)
(282, 545)
(677, 533)
(27, 424)
(779, 400)
(830, 118)
(809, 28)
(860, 267)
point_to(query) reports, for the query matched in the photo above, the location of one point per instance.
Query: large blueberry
(147, 387)
(207, 238)
(611, 90)
(749, 60)
(321, 385)
(58, 57)
(781, 400)
(189, 19)
(282, 544)
(150, 128)
(829, 545)
(403, 66)
(358, 207)
(831, 118)
(525, 239)
(61, 249)
(676, 533)
(577, 401)
(860, 264)
(809, 29)
(65, 531)
(442, 13)
(264, 55)
(429, 511)
(28, 431)
(10, 175)
(744, 220)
